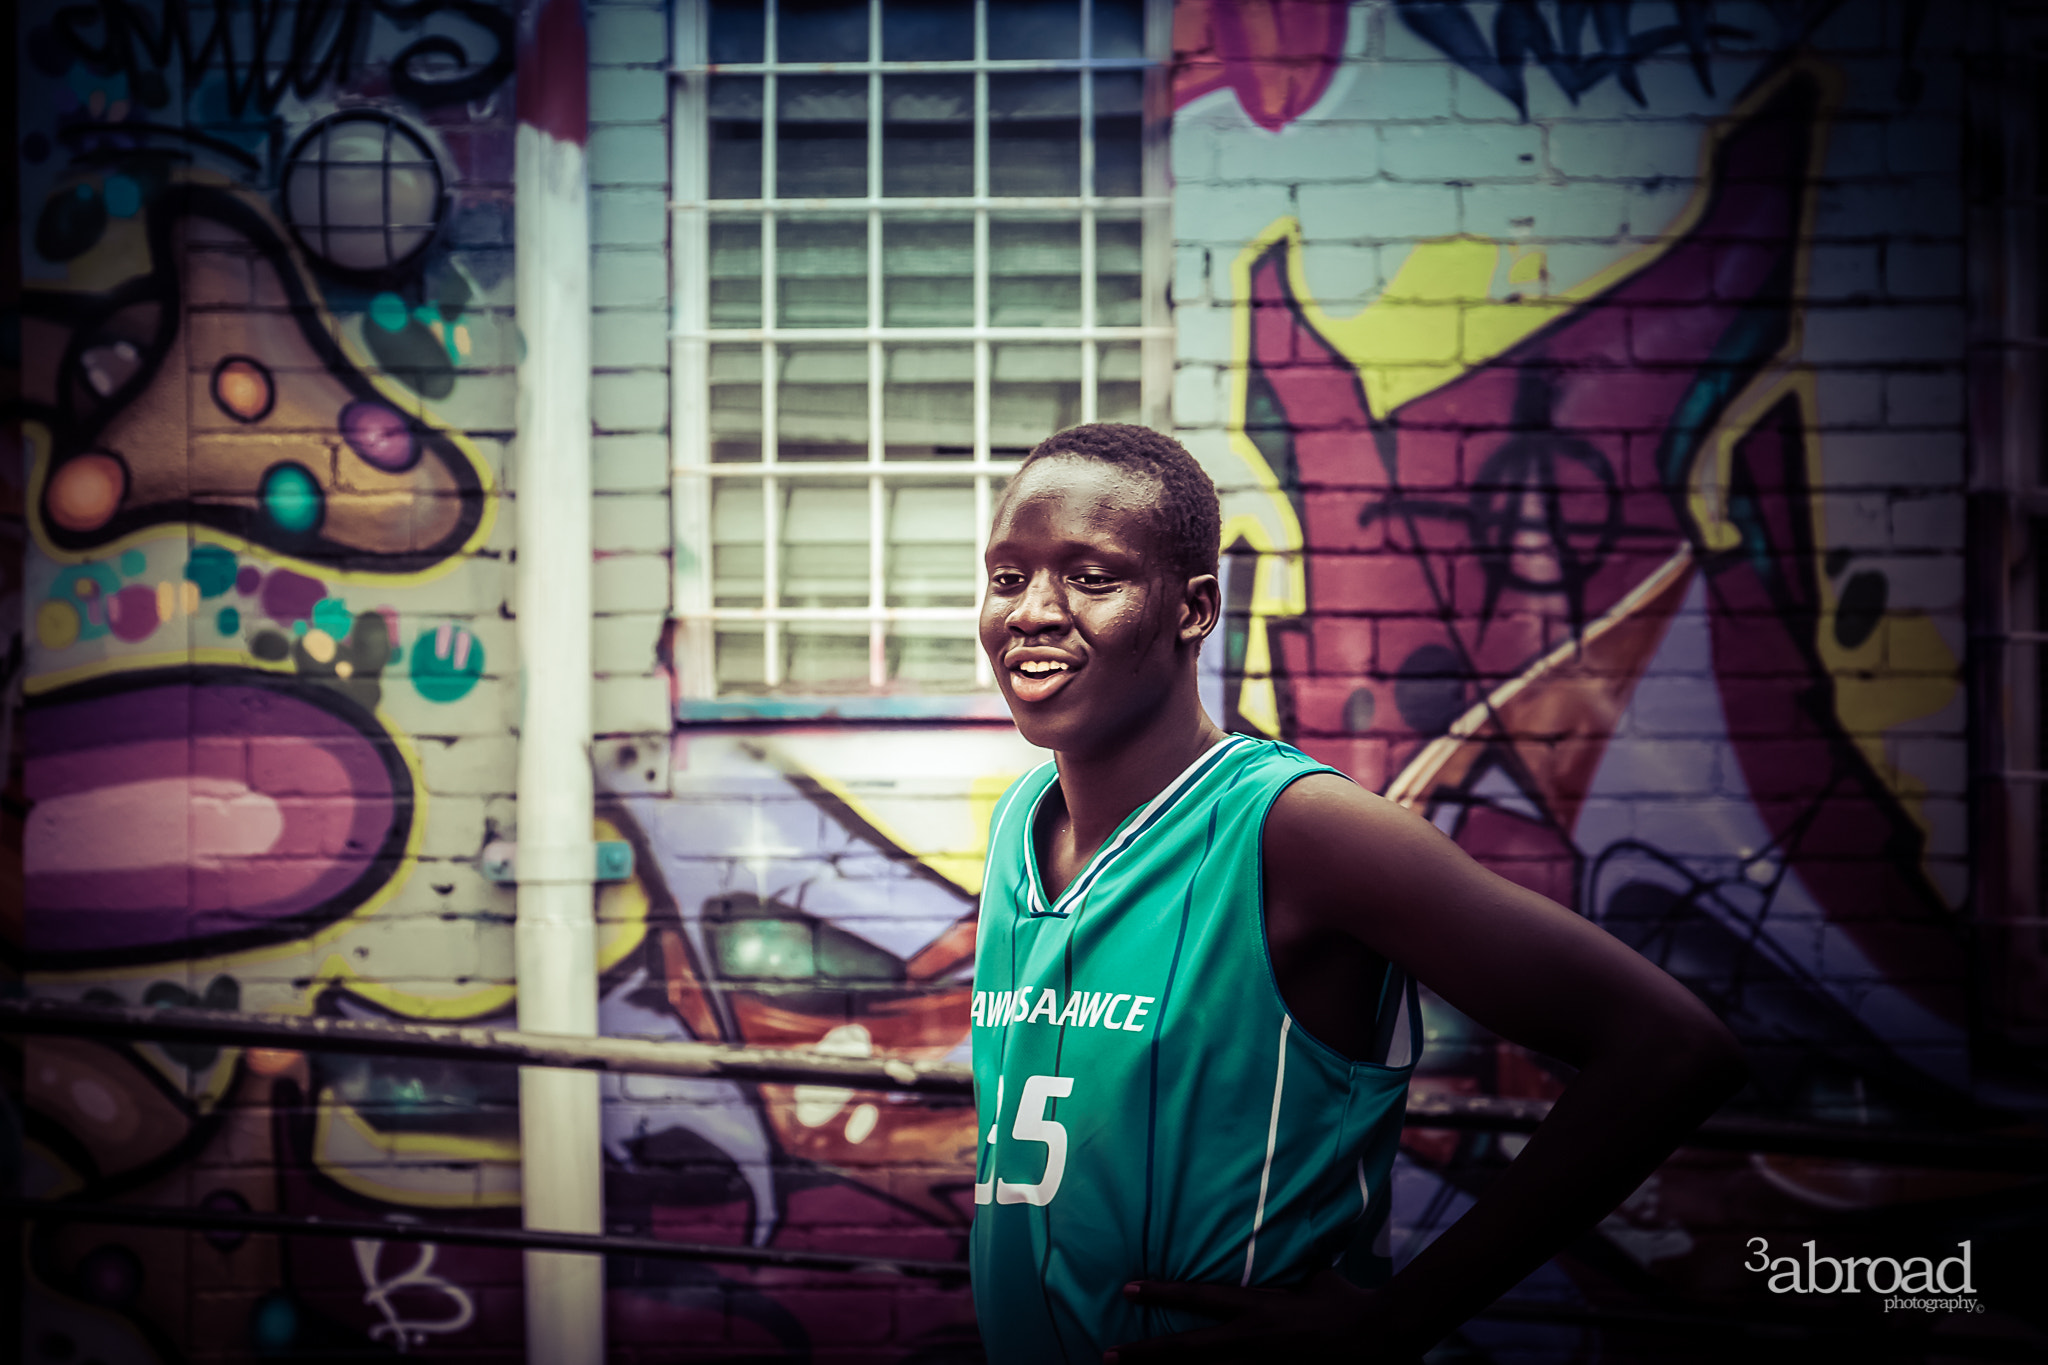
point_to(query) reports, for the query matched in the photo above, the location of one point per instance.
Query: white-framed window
(910, 238)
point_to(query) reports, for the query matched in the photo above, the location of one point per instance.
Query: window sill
(980, 708)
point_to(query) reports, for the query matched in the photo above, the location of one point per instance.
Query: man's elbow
(1708, 1053)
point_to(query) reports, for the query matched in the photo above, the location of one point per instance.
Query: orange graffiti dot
(244, 390)
(86, 492)
(270, 1061)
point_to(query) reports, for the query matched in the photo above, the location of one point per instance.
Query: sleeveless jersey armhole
(1397, 1014)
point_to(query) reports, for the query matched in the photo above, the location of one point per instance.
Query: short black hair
(1188, 520)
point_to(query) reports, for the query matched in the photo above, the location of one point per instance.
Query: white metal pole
(555, 936)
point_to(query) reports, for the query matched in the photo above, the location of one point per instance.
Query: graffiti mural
(265, 263)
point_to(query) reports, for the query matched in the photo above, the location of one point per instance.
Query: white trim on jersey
(1147, 816)
(1272, 1140)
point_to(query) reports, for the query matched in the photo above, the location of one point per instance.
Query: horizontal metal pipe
(632, 1056)
(458, 1043)
(517, 1239)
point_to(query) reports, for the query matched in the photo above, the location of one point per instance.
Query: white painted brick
(1215, 213)
(1916, 400)
(1193, 151)
(1941, 762)
(630, 705)
(1377, 211)
(1418, 89)
(1636, 149)
(629, 154)
(1855, 521)
(1851, 398)
(1855, 149)
(1190, 274)
(1887, 459)
(1468, 151)
(633, 401)
(1921, 205)
(1844, 271)
(630, 521)
(1196, 401)
(1928, 523)
(630, 582)
(1315, 151)
(1205, 334)
(480, 402)
(625, 278)
(639, 96)
(621, 337)
(628, 463)
(1536, 214)
(1922, 145)
(1923, 270)
(624, 643)
(627, 37)
(455, 827)
(1886, 336)
(479, 765)
(637, 217)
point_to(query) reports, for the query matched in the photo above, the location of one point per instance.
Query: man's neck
(1100, 788)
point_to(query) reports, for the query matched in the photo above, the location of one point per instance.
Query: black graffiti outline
(325, 43)
(76, 420)
(1521, 35)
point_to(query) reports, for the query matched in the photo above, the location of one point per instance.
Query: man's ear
(1201, 607)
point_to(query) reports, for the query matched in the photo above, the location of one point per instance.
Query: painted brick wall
(1592, 441)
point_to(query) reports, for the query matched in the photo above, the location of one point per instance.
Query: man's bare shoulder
(1328, 821)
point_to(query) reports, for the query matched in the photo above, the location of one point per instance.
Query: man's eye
(1005, 580)
(1093, 580)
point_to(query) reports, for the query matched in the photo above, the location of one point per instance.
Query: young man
(1194, 1011)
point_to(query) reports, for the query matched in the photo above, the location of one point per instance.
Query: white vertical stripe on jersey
(1272, 1137)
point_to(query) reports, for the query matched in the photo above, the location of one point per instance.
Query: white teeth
(1039, 668)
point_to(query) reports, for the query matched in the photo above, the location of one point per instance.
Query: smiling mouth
(1036, 679)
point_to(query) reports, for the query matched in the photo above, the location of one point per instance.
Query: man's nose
(1040, 607)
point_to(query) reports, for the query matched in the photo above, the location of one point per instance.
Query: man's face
(1081, 619)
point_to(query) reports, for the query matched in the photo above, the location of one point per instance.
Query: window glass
(1033, 28)
(928, 272)
(927, 31)
(821, 31)
(821, 272)
(821, 137)
(1034, 272)
(736, 31)
(1034, 134)
(928, 136)
(735, 128)
(928, 403)
(821, 405)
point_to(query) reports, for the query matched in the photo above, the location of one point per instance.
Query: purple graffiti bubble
(131, 612)
(289, 597)
(247, 578)
(380, 435)
(291, 806)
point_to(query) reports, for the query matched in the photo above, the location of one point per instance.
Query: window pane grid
(1039, 335)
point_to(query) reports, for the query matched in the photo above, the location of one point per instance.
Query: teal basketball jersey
(1148, 1108)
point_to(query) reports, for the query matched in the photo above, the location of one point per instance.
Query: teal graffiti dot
(388, 311)
(300, 627)
(292, 499)
(123, 196)
(228, 622)
(133, 562)
(212, 568)
(332, 615)
(84, 192)
(446, 664)
(275, 1323)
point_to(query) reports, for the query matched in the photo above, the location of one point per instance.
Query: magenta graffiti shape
(1276, 56)
(1523, 500)
(131, 613)
(184, 811)
(289, 597)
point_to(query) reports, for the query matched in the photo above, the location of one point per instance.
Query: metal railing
(2017, 1154)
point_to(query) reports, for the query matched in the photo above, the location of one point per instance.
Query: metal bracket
(611, 861)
